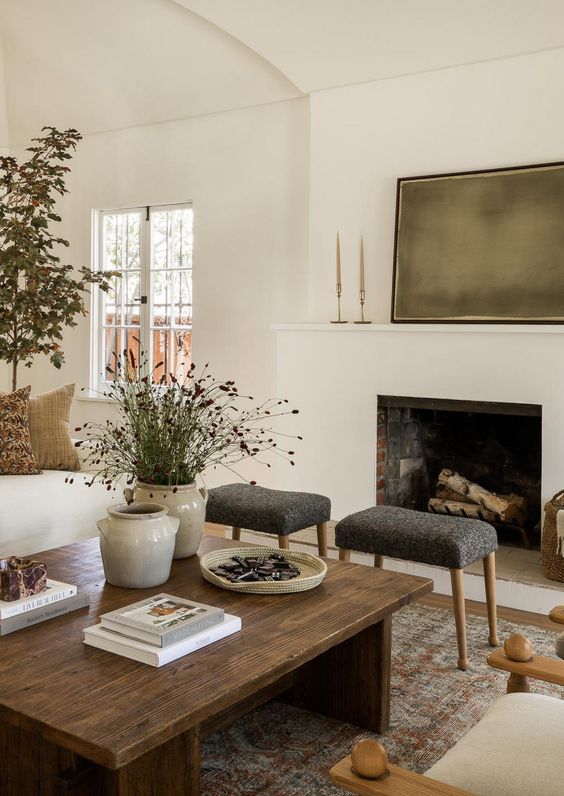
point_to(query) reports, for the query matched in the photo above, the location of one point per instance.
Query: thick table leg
(32, 765)
(351, 682)
(29, 764)
(172, 769)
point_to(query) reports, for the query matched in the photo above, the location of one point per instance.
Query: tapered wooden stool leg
(344, 555)
(489, 578)
(378, 560)
(236, 533)
(322, 538)
(284, 542)
(457, 581)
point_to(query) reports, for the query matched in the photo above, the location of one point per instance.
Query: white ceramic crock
(187, 502)
(137, 544)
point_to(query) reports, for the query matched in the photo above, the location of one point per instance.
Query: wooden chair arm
(517, 658)
(400, 782)
(368, 759)
(551, 670)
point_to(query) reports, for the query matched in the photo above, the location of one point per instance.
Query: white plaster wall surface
(4, 133)
(246, 174)
(335, 376)
(107, 65)
(363, 138)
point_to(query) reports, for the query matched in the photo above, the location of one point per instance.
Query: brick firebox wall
(381, 444)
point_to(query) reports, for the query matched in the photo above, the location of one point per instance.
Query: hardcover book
(162, 620)
(49, 611)
(100, 637)
(53, 592)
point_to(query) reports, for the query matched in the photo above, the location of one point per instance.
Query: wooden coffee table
(77, 720)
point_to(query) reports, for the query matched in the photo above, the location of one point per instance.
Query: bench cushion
(514, 750)
(268, 510)
(452, 542)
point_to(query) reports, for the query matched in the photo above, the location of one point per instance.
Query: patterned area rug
(279, 750)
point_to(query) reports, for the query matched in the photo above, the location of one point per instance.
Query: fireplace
(497, 446)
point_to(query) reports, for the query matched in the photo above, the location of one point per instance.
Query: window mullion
(146, 290)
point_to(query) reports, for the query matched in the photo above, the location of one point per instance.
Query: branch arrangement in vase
(167, 434)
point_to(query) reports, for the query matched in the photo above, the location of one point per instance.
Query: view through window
(149, 306)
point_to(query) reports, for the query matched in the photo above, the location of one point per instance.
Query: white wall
(246, 173)
(364, 137)
(4, 138)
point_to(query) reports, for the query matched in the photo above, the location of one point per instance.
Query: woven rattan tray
(312, 571)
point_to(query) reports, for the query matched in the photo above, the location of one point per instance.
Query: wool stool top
(452, 542)
(268, 510)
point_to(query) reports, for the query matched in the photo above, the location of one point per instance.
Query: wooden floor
(479, 609)
(443, 601)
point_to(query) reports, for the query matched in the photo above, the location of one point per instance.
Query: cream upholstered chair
(516, 749)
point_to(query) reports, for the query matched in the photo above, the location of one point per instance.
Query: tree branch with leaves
(39, 295)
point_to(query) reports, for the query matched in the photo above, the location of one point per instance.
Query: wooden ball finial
(369, 759)
(518, 648)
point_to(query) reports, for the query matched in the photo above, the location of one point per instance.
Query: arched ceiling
(109, 64)
(319, 44)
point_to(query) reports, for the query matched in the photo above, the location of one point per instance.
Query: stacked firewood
(459, 497)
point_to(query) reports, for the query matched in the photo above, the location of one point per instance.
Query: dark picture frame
(480, 246)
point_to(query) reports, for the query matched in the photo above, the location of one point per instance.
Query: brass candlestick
(339, 291)
(362, 300)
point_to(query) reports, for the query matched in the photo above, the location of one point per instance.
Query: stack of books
(160, 629)
(56, 599)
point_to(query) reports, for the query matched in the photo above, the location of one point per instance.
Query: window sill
(91, 397)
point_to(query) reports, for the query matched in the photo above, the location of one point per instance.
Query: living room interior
(350, 216)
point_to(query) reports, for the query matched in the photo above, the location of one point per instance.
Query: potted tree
(39, 295)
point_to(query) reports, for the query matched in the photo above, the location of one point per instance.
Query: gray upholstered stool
(269, 511)
(453, 542)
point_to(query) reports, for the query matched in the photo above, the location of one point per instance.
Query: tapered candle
(361, 263)
(338, 260)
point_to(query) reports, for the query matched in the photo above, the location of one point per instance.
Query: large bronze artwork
(481, 247)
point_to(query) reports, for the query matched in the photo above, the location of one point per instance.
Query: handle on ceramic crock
(204, 493)
(174, 523)
(128, 495)
(103, 527)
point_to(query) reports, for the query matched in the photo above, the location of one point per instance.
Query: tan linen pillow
(49, 427)
(16, 454)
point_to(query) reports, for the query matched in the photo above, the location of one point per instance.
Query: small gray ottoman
(452, 542)
(269, 511)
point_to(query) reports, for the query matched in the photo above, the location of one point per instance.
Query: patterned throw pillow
(16, 455)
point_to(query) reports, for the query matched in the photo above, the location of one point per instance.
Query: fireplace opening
(488, 448)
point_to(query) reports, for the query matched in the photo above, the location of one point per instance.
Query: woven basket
(312, 571)
(552, 563)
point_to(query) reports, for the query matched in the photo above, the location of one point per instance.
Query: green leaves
(39, 295)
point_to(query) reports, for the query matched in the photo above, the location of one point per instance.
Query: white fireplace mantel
(334, 373)
(423, 328)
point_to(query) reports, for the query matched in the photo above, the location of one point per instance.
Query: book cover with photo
(104, 639)
(162, 620)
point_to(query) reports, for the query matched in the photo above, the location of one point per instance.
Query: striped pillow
(16, 454)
